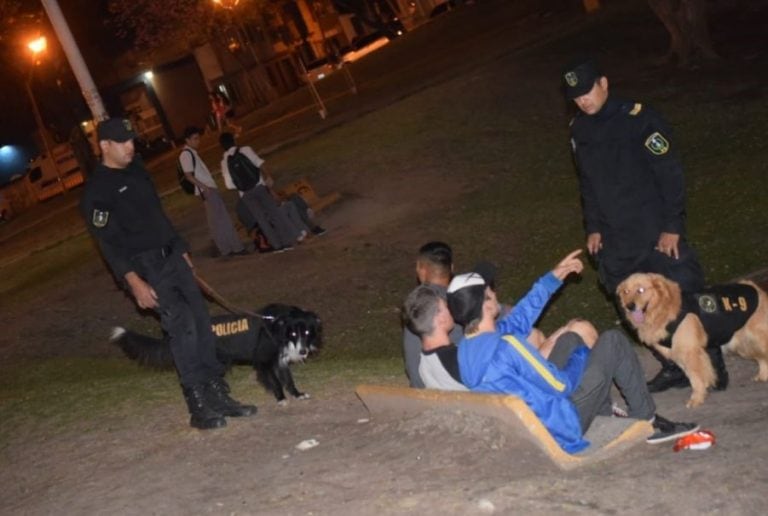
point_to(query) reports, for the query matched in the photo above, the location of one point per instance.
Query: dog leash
(209, 290)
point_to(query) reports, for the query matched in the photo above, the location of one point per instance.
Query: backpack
(243, 172)
(185, 184)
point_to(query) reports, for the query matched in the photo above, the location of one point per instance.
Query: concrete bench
(305, 190)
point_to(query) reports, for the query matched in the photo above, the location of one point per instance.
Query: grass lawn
(498, 126)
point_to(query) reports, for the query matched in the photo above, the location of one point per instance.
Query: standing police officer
(145, 253)
(633, 196)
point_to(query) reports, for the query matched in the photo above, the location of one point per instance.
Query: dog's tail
(147, 351)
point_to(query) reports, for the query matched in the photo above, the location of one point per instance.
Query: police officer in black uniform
(633, 195)
(148, 257)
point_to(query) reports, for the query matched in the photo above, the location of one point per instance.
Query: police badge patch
(571, 79)
(657, 144)
(708, 304)
(100, 218)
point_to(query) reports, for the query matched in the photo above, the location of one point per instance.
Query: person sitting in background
(280, 230)
(294, 209)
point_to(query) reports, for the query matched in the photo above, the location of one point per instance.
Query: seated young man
(426, 315)
(566, 392)
(434, 268)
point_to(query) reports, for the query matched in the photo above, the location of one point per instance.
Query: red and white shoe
(699, 440)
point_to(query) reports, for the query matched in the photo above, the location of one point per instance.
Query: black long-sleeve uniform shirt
(123, 212)
(631, 178)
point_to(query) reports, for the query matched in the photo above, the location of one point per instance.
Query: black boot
(203, 416)
(217, 394)
(716, 356)
(670, 376)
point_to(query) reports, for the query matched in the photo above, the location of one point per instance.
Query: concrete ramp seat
(608, 436)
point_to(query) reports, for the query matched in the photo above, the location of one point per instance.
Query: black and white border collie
(282, 335)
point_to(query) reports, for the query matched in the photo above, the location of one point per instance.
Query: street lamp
(37, 46)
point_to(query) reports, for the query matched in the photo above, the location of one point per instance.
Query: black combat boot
(716, 356)
(203, 416)
(670, 376)
(217, 394)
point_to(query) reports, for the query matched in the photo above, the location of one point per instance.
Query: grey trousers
(293, 214)
(278, 229)
(612, 359)
(220, 224)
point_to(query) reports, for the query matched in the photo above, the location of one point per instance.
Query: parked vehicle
(52, 176)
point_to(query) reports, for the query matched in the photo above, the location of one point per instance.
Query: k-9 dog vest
(722, 309)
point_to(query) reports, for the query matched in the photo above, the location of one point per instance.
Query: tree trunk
(686, 22)
(697, 17)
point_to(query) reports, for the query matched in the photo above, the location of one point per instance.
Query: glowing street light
(227, 4)
(37, 46)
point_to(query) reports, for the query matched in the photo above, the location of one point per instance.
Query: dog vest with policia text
(236, 334)
(722, 309)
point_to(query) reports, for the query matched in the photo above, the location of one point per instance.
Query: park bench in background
(305, 190)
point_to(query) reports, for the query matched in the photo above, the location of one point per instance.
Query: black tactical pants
(183, 315)
(685, 270)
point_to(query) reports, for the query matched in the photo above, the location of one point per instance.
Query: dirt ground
(436, 463)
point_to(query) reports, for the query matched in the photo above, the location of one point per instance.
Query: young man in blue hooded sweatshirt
(567, 390)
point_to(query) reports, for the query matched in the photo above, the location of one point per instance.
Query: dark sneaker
(243, 252)
(284, 249)
(317, 231)
(665, 430)
(668, 378)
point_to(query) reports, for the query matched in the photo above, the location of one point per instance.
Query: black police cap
(580, 77)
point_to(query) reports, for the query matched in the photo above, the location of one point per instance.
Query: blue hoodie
(505, 362)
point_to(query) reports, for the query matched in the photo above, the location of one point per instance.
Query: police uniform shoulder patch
(636, 109)
(100, 218)
(657, 144)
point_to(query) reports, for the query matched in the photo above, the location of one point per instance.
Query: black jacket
(123, 212)
(631, 178)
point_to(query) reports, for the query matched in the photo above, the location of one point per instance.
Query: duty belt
(162, 252)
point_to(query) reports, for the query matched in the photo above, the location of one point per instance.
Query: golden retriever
(653, 305)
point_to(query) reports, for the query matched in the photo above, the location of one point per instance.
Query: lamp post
(37, 46)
